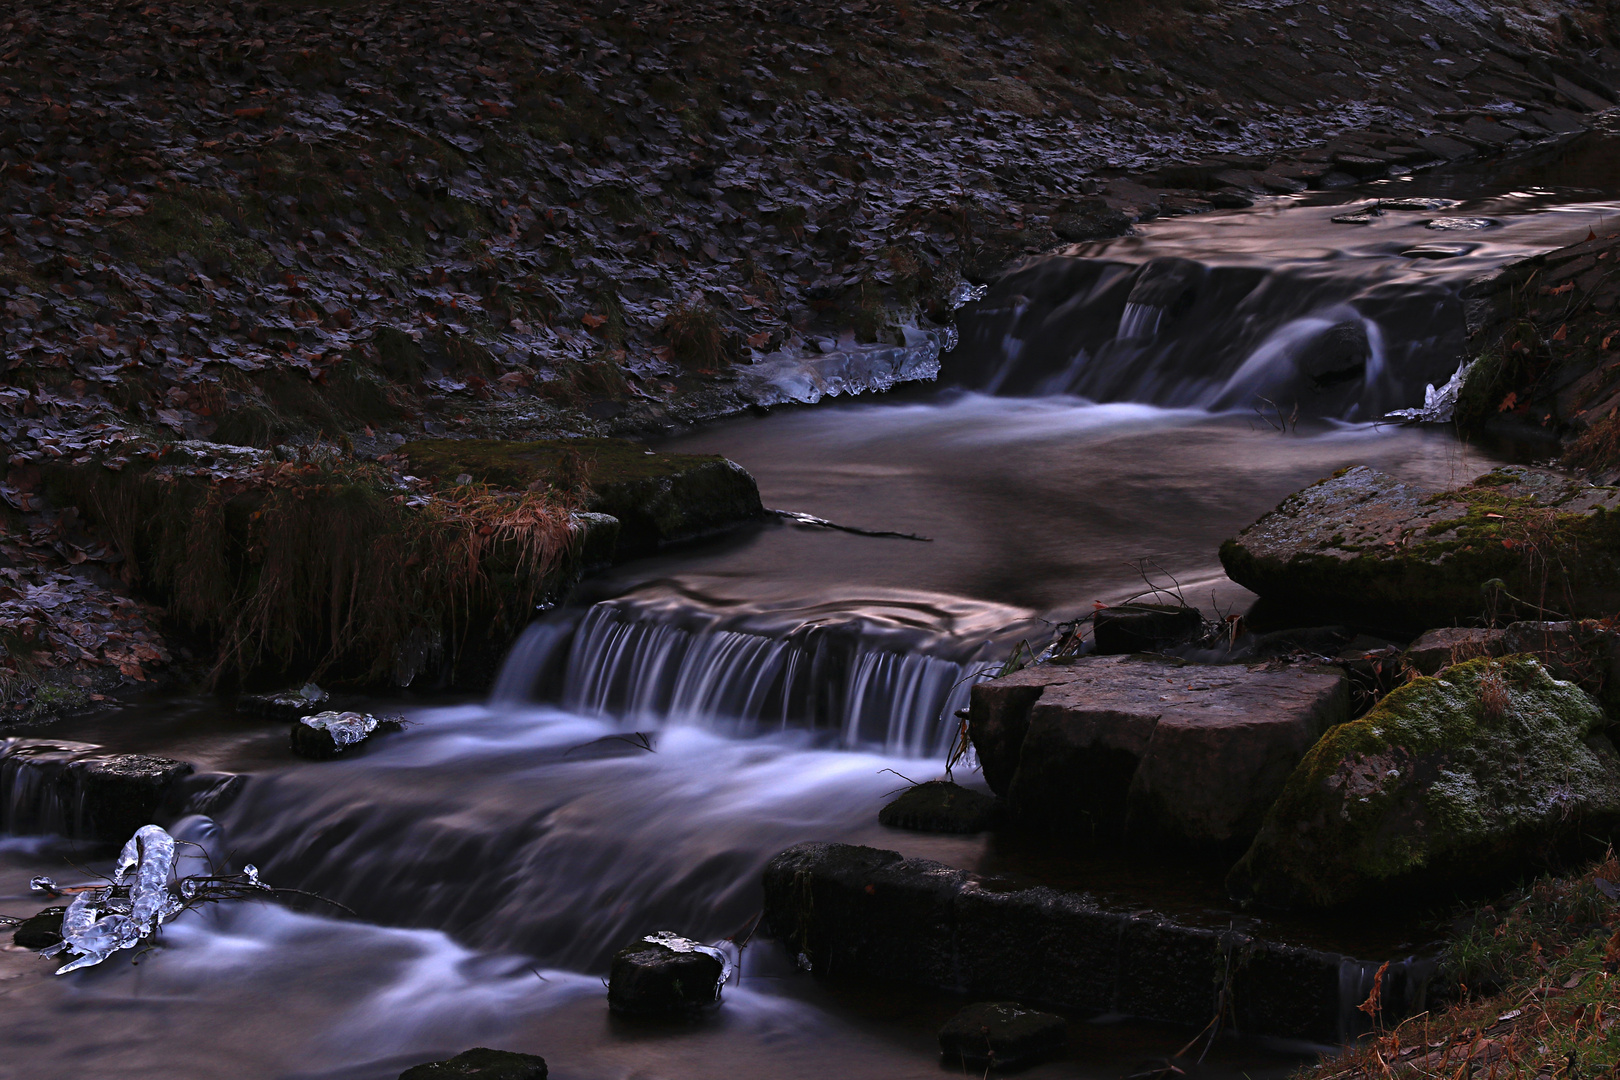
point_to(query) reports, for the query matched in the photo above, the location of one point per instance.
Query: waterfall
(660, 667)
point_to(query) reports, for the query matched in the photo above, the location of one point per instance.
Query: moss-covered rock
(1469, 774)
(939, 806)
(1363, 546)
(657, 498)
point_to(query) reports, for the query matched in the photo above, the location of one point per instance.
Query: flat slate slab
(859, 912)
(1148, 747)
(1365, 546)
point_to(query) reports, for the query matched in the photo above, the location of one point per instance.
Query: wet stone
(328, 734)
(118, 793)
(285, 704)
(1136, 628)
(481, 1063)
(940, 806)
(40, 932)
(664, 974)
(1001, 1035)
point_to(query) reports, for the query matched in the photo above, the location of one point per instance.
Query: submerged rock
(285, 704)
(41, 931)
(1001, 1035)
(1150, 748)
(1137, 628)
(1471, 773)
(940, 806)
(665, 974)
(481, 1063)
(328, 734)
(1365, 546)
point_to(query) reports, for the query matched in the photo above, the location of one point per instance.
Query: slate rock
(1001, 1035)
(41, 931)
(664, 975)
(481, 1063)
(940, 806)
(1479, 771)
(1137, 628)
(1362, 546)
(1115, 746)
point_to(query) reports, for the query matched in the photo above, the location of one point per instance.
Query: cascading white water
(1140, 321)
(649, 668)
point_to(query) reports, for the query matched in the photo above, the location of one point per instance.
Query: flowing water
(685, 717)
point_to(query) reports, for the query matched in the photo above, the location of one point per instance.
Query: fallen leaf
(1561, 333)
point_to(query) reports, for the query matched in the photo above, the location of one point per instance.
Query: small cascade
(37, 796)
(1139, 321)
(1402, 988)
(852, 681)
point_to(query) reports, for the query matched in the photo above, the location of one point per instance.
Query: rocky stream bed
(647, 539)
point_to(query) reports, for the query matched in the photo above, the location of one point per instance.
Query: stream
(1108, 419)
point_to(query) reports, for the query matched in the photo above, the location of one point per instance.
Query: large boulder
(1367, 547)
(1475, 772)
(1149, 747)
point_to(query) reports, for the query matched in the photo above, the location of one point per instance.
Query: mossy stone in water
(40, 932)
(1001, 1035)
(481, 1063)
(1465, 775)
(940, 806)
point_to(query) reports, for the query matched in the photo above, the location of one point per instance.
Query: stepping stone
(1001, 1035)
(940, 806)
(664, 974)
(1151, 748)
(328, 734)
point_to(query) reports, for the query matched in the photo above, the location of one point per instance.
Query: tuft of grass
(329, 567)
(1532, 983)
(696, 337)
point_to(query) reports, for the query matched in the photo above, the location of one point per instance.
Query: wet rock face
(1471, 773)
(1001, 1035)
(1158, 751)
(78, 790)
(667, 977)
(1365, 546)
(481, 1064)
(940, 806)
(1437, 649)
(119, 793)
(861, 912)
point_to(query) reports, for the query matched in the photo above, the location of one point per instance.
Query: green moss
(1449, 776)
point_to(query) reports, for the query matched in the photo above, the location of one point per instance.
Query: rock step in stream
(865, 913)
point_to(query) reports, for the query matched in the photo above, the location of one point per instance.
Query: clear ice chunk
(1440, 404)
(346, 728)
(964, 293)
(672, 941)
